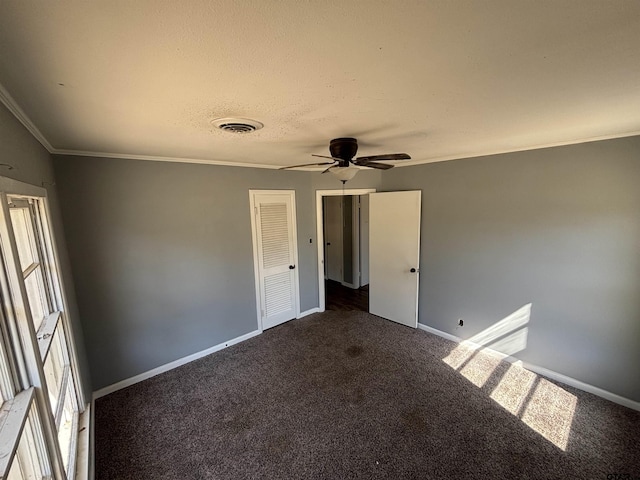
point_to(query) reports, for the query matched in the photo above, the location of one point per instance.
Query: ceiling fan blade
(389, 156)
(306, 165)
(325, 171)
(379, 166)
(324, 156)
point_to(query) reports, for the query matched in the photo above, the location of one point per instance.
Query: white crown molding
(487, 153)
(411, 163)
(8, 101)
(153, 158)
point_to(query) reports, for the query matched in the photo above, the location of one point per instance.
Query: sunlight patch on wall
(508, 336)
(513, 343)
(518, 319)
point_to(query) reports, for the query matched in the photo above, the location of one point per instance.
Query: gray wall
(558, 228)
(33, 165)
(163, 256)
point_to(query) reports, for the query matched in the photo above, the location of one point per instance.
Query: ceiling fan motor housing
(344, 148)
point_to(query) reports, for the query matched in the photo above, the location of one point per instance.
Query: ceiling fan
(342, 152)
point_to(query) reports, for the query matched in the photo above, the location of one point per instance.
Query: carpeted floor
(342, 395)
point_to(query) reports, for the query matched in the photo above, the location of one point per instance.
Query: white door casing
(394, 250)
(333, 247)
(364, 240)
(351, 229)
(273, 223)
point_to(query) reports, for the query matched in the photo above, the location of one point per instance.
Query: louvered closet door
(274, 226)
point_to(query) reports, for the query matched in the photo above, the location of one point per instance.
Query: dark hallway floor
(339, 297)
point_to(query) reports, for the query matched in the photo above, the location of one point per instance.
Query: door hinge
(255, 211)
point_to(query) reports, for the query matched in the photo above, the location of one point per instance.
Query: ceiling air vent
(237, 125)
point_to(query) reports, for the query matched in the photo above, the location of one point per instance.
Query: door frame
(340, 243)
(320, 234)
(254, 241)
(355, 242)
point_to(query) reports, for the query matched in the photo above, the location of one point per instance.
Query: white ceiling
(435, 79)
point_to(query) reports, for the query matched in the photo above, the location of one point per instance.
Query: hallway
(339, 297)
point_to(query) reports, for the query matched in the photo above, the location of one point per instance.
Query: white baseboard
(170, 366)
(572, 382)
(472, 345)
(308, 312)
(439, 333)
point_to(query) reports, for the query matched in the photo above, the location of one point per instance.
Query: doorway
(346, 252)
(394, 257)
(343, 249)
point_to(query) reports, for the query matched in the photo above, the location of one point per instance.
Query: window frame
(23, 351)
(21, 417)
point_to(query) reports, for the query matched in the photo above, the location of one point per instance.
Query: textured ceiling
(438, 79)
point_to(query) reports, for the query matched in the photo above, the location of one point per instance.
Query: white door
(333, 253)
(276, 256)
(394, 255)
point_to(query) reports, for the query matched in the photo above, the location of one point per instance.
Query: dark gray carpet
(349, 395)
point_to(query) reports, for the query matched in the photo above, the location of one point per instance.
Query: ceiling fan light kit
(342, 152)
(344, 174)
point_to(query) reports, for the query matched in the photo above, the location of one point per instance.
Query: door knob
(413, 270)
(291, 267)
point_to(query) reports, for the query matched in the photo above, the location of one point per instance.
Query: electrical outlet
(460, 322)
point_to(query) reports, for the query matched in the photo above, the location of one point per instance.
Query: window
(30, 460)
(40, 395)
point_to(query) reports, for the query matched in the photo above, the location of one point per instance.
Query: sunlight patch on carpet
(550, 412)
(479, 368)
(541, 405)
(512, 391)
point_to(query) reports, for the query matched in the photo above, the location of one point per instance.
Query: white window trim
(46, 331)
(11, 187)
(35, 350)
(13, 418)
